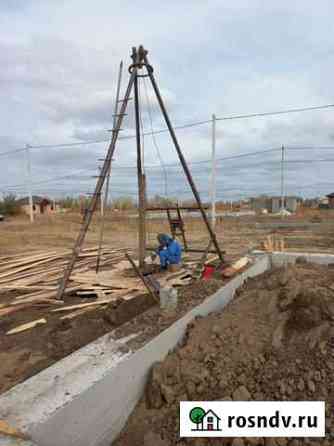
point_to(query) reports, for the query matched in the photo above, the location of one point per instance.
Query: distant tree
(159, 201)
(190, 203)
(69, 203)
(9, 205)
(124, 203)
(74, 203)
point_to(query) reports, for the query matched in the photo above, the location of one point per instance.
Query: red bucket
(208, 272)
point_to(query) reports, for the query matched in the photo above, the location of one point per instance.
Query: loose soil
(274, 341)
(24, 354)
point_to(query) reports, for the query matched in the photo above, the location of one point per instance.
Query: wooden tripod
(139, 62)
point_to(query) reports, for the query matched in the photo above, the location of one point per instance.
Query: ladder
(176, 225)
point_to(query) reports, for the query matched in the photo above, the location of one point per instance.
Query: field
(311, 230)
(23, 354)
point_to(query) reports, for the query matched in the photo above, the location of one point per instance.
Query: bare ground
(24, 354)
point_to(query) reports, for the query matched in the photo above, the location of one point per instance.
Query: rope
(155, 141)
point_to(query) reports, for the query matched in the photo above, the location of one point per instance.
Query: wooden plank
(235, 267)
(112, 282)
(29, 287)
(76, 313)
(26, 326)
(31, 274)
(31, 263)
(36, 300)
(45, 295)
(89, 304)
(9, 310)
(28, 260)
(211, 259)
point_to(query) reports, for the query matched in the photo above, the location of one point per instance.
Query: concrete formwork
(86, 398)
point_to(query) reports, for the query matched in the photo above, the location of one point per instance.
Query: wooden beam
(26, 326)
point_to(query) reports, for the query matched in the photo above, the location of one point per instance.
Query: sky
(59, 65)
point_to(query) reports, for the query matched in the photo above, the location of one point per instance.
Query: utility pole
(29, 183)
(282, 181)
(213, 174)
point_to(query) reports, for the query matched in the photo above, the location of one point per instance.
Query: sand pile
(275, 341)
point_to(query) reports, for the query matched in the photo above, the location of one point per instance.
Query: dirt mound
(275, 341)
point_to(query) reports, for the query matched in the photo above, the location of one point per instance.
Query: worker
(169, 251)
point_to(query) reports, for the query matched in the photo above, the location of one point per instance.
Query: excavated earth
(274, 341)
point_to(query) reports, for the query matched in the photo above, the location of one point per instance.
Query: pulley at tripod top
(142, 54)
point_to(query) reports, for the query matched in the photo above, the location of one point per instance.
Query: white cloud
(60, 59)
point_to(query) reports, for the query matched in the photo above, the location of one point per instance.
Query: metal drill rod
(92, 206)
(141, 183)
(142, 277)
(182, 160)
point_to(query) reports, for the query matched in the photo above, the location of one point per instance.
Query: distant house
(260, 203)
(330, 200)
(290, 204)
(274, 204)
(41, 205)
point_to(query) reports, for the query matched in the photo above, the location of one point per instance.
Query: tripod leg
(183, 162)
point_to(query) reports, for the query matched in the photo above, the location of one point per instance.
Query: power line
(198, 170)
(180, 127)
(274, 113)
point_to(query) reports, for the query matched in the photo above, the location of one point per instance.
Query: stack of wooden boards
(31, 281)
(274, 242)
(41, 271)
(34, 278)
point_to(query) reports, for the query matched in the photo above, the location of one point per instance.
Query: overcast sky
(59, 61)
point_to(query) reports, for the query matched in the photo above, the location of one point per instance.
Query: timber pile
(274, 242)
(34, 280)
(42, 271)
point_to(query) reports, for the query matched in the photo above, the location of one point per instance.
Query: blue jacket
(174, 251)
(170, 252)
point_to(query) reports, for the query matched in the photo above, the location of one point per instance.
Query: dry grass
(235, 235)
(61, 230)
